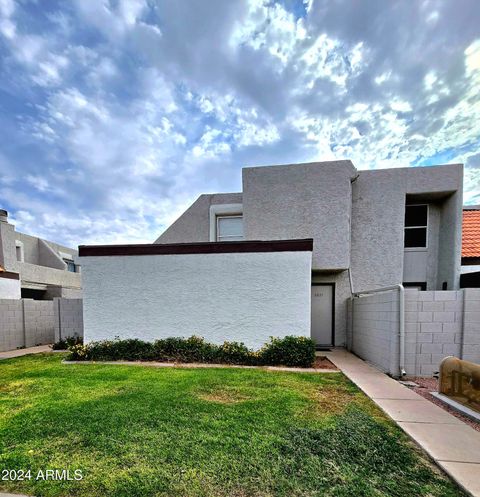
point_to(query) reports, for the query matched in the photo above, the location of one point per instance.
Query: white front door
(322, 314)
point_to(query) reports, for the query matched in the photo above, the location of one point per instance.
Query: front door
(322, 314)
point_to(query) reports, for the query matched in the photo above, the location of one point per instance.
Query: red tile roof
(471, 233)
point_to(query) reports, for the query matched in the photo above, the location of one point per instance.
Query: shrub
(236, 353)
(68, 342)
(192, 349)
(289, 351)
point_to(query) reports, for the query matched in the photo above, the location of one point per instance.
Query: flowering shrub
(288, 351)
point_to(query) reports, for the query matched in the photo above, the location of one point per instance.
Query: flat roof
(297, 245)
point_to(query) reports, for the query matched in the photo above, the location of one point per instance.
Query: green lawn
(136, 431)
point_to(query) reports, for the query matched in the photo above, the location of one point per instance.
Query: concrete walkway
(19, 352)
(452, 444)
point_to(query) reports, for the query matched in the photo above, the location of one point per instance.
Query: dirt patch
(332, 399)
(224, 397)
(427, 385)
(322, 362)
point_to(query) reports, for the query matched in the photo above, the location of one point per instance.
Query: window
(229, 228)
(416, 222)
(70, 265)
(19, 251)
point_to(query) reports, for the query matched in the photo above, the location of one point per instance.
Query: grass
(137, 431)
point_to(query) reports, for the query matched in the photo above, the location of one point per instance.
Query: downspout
(401, 324)
(401, 320)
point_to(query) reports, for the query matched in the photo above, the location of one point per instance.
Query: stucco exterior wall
(378, 210)
(9, 289)
(302, 201)
(32, 273)
(194, 224)
(245, 297)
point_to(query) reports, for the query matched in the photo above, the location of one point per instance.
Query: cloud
(116, 115)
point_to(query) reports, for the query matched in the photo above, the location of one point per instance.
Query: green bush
(288, 351)
(192, 349)
(66, 343)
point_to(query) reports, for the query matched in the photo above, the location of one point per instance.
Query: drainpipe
(401, 319)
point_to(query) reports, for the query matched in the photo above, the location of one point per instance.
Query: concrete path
(452, 444)
(19, 352)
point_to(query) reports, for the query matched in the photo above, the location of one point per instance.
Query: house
(35, 268)
(283, 256)
(470, 277)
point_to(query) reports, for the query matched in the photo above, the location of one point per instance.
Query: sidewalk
(452, 444)
(19, 352)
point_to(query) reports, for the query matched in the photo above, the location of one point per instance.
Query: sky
(116, 115)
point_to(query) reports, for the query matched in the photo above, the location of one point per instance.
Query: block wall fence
(27, 322)
(437, 324)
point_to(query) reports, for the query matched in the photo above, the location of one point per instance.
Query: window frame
(233, 238)
(19, 245)
(405, 228)
(73, 265)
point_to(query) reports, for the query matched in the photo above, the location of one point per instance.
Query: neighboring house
(470, 277)
(41, 269)
(283, 256)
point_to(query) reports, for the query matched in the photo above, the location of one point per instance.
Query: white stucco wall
(9, 289)
(245, 297)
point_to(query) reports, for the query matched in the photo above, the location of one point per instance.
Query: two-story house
(35, 268)
(370, 229)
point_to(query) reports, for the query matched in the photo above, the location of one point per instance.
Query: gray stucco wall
(194, 224)
(378, 222)
(302, 201)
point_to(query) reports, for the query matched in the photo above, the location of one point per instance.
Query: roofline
(471, 207)
(9, 275)
(297, 245)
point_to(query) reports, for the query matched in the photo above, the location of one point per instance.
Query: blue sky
(116, 115)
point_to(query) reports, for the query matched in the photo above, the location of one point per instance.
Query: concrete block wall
(27, 322)
(433, 329)
(471, 325)
(12, 334)
(68, 318)
(437, 324)
(38, 322)
(376, 328)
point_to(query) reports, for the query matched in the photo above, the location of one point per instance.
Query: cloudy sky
(115, 115)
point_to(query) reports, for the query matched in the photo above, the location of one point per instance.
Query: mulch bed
(324, 363)
(427, 385)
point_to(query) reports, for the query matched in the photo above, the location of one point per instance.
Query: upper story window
(229, 228)
(19, 251)
(70, 265)
(416, 224)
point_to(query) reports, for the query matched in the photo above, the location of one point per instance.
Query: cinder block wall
(68, 318)
(38, 321)
(11, 324)
(437, 324)
(27, 322)
(375, 330)
(471, 325)
(433, 329)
